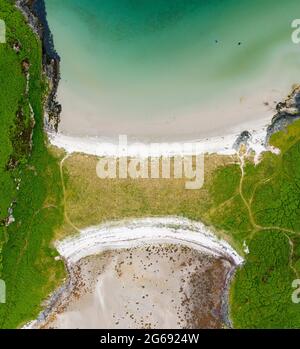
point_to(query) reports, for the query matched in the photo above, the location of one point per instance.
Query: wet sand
(220, 115)
(153, 286)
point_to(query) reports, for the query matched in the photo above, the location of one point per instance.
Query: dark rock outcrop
(287, 112)
(242, 139)
(36, 15)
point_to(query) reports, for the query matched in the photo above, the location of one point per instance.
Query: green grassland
(27, 263)
(257, 205)
(261, 292)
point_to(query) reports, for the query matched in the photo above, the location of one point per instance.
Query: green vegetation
(27, 263)
(261, 294)
(90, 201)
(258, 206)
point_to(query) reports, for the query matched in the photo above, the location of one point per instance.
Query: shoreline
(152, 231)
(256, 135)
(131, 234)
(35, 14)
(223, 145)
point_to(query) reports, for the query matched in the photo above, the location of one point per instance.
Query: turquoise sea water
(170, 67)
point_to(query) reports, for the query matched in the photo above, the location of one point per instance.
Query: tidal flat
(153, 286)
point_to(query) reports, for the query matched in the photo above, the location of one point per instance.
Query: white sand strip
(130, 234)
(221, 144)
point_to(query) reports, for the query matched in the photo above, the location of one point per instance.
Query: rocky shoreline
(174, 278)
(135, 234)
(287, 112)
(35, 13)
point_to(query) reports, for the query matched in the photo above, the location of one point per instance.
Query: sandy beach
(220, 145)
(137, 73)
(149, 273)
(155, 272)
(100, 294)
(135, 233)
(155, 286)
(223, 114)
(191, 80)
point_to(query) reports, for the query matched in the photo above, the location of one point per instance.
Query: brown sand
(158, 286)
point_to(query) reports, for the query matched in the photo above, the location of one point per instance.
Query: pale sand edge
(134, 233)
(223, 145)
(128, 234)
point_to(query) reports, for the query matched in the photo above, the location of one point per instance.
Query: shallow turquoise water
(144, 66)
